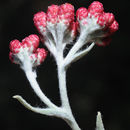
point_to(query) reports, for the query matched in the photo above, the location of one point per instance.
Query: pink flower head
(15, 46)
(106, 19)
(52, 14)
(113, 27)
(41, 55)
(40, 21)
(66, 13)
(27, 51)
(95, 9)
(31, 42)
(82, 13)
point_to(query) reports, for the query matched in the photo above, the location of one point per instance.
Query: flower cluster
(58, 28)
(27, 51)
(100, 24)
(60, 19)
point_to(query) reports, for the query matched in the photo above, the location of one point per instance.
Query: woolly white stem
(51, 47)
(45, 111)
(60, 31)
(84, 52)
(80, 54)
(32, 79)
(74, 125)
(57, 112)
(80, 42)
(69, 118)
(99, 123)
(64, 98)
(51, 28)
(62, 87)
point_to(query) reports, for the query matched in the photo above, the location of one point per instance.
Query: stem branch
(64, 98)
(32, 79)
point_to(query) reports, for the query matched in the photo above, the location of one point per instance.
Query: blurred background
(98, 82)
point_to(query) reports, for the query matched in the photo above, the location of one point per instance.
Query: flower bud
(114, 27)
(41, 55)
(15, 46)
(40, 21)
(95, 9)
(31, 42)
(81, 13)
(66, 13)
(52, 14)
